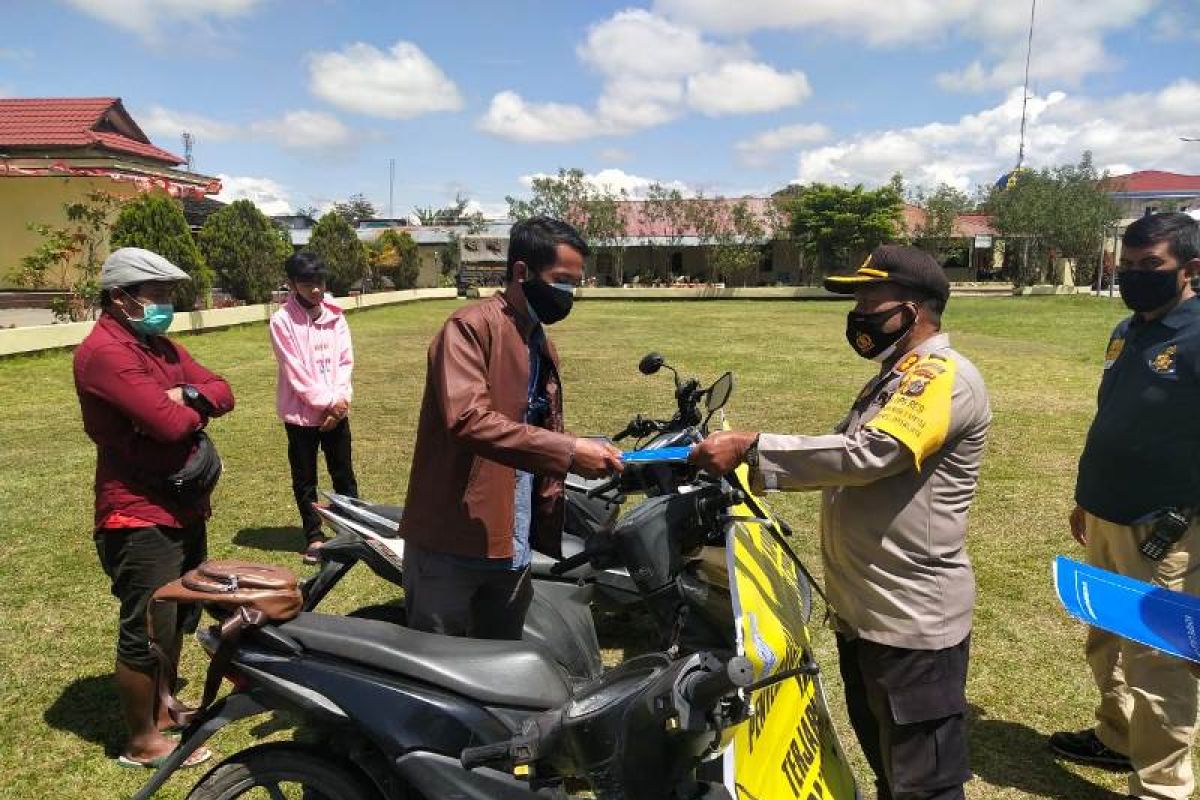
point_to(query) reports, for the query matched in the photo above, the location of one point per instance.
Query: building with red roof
(1150, 191)
(55, 151)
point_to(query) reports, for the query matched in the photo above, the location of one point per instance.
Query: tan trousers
(1148, 700)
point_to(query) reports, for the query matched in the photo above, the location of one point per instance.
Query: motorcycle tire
(270, 767)
(394, 613)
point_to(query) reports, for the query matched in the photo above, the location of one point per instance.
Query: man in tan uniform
(1140, 463)
(897, 478)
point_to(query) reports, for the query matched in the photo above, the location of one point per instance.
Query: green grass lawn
(1041, 358)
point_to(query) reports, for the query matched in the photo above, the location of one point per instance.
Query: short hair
(1180, 231)
(934, 305)
(535, 241)
(302, 263)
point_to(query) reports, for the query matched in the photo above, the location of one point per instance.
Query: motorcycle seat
(489, 671)
(541, 563)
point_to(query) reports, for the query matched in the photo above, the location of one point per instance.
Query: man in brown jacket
(486, 483)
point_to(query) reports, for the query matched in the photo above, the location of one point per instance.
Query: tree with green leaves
(395, 255)
(941, 207)
(831, 223)
(738, 249)
(71, 255)
(569, 196)
(1054, 212)
(355, 208)
(345, 257)
(246, 250)
(665, 211)
(154, 221)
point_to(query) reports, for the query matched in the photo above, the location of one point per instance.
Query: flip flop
(312, 553)
(201, 755)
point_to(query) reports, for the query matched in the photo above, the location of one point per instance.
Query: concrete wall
(49, 337)
(40, 200)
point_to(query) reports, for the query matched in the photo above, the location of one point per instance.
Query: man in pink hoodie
(312, 345)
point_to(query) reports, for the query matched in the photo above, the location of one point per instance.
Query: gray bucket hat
(129, 266)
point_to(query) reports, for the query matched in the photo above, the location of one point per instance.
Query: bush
(246, 250)
(155, 222)
(395, 255)
(334, 241)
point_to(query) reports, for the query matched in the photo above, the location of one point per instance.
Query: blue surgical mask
(156, 317)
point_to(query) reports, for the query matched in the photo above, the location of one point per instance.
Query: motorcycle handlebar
(604, 488)
(472, 757)
(704, 689)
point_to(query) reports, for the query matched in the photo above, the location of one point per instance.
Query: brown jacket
(470, 439)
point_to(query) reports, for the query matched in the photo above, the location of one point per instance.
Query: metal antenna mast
(1025, 95)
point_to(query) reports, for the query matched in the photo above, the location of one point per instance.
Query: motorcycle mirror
(718, 394)
(651, 363)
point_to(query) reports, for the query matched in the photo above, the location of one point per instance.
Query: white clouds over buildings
(271, 198)
(400, 83)
(654, 71)
(1140, 129)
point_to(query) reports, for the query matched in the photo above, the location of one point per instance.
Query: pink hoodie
(315, 361)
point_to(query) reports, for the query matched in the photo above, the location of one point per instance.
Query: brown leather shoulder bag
(241, 595)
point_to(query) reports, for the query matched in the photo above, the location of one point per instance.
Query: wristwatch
(196, 401)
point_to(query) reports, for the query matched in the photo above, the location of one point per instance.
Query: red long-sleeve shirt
(122, 383)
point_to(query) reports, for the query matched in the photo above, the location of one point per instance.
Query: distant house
(1151, 191)
(980, 252)
(197, 210)
(55, 151)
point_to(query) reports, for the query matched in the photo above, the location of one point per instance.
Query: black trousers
(443, 594)
(303, 443)
(138, 561)
(908, 709)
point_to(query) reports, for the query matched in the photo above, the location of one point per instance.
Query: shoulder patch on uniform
(1115, 346)
(918, 413)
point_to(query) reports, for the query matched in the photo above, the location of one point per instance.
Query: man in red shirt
(143, 399)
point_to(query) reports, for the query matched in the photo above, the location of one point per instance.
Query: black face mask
(551, 302)
(865, 332)
(1147, 290)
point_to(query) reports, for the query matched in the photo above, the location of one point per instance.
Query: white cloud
(490, 210)
(399, 84)
(1132, 131)
(511, 117)
(1068, 34)
(271, 198)
(170, 124)
(653, 71)
(304, 130)
(745, 87)
(617, 181)
(636, 42)
(759, 150)
(148, 18)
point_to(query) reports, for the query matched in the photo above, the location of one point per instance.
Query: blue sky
(303, 102)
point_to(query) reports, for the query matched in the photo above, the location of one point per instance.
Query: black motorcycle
(389, 712)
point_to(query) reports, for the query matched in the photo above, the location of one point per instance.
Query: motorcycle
(560, 615)
(387, 712)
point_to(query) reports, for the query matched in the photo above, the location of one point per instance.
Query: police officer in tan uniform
(897, 478)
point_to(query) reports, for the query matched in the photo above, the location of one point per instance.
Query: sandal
(312, 553)
(198, 757)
